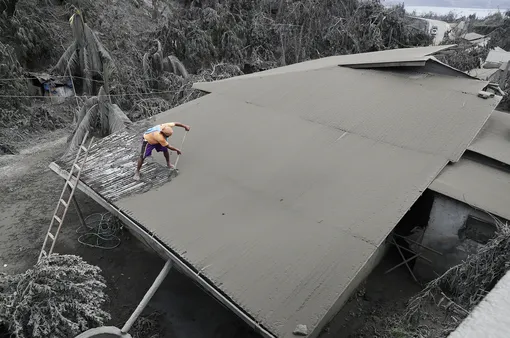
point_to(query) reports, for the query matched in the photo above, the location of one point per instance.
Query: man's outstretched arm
(173, 149)
(185, 126)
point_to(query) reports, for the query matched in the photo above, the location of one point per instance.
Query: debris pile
(463, 286)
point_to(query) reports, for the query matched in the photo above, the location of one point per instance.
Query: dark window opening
(478, 230)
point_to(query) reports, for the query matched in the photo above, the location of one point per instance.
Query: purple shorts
(147, 148)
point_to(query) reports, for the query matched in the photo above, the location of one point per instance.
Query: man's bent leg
(140, 160)
(167, 157)
(138, 167)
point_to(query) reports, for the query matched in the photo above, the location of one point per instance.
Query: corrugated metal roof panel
(376, 59)
(289, 184)
(476, 184)
(404, 109)
(279, 212)
(482, 73)
(497, 56)
(494, 139)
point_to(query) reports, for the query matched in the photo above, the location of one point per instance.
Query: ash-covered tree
(154, 65)
(61, 296)
(98, 115)
(86, 57)
(268, 33)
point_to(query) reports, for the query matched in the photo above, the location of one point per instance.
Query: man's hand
(178, 151)
(185, 126)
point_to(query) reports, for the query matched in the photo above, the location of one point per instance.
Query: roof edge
(434, 60)
(200, 86)
(388, 64)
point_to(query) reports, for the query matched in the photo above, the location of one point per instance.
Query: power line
(65, 77)
(85, 96)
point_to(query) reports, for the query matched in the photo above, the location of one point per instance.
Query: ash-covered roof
(482, 179)
(289, 183)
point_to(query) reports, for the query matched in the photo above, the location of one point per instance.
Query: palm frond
(108, 70)
(89, 103)
(117, 120)
(103, 111)
(84, 126)
(178, 67)
(105, 55)
(146, 66)
(87, 74)
(159, 47)
(64, 60)
(78, 28)
(95, 59)
(157, 63)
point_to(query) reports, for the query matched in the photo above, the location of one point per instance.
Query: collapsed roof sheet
(477, 184)
(483, 73)
(494, 139)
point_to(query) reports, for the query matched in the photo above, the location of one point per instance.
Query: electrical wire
(66, 77)
(100, 231)
(127, 94)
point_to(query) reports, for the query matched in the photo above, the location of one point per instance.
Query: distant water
(480, 12)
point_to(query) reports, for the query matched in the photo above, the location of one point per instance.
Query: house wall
(444, 234)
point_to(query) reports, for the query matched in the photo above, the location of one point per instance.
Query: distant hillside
(488, 4)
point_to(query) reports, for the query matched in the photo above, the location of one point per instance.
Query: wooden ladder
(63, 204)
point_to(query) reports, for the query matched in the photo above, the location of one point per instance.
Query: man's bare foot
(136, 177)
(171, 166)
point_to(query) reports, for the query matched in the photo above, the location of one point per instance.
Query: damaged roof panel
(494, 139)
(477, 184)
(483, 73)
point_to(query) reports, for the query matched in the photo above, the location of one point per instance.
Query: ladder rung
(71, 184)
(58, 219)
(77, 167)
(50, 235)
(83, 148)
(44, 254)
(64, 203)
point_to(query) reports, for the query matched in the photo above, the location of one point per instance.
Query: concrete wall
(490, 318)
(444, 234)
(369, 266)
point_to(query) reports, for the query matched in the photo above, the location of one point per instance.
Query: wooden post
(152, 290)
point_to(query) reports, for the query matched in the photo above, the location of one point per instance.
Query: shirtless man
(156, 138)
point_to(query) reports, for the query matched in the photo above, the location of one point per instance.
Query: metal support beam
(152, 290)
